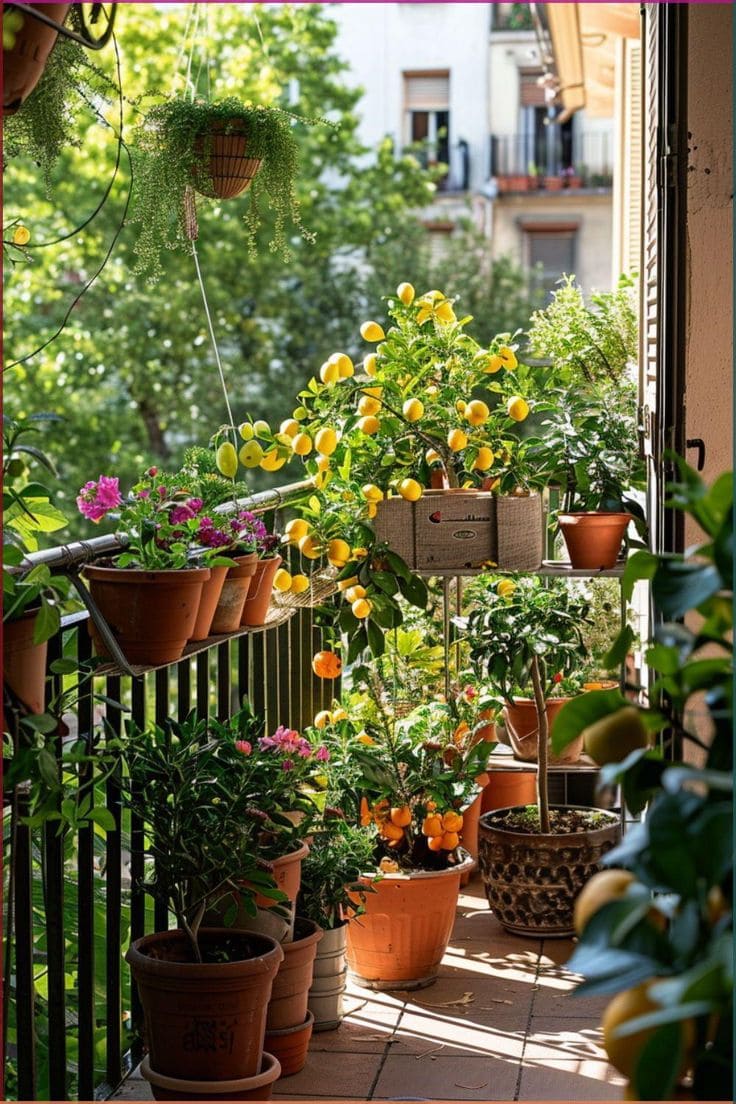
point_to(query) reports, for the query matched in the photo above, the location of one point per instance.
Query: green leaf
(102, 816)
(642, 565)
(414, 589)
(48, 769)
(582, 711)
(47, 623)
(678, 587)
(376, 638)
(64, 667)
(658, 1064)
(619, 650)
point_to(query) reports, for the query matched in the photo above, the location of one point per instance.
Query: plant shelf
(556, 568)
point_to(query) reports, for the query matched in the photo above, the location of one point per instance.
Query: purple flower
(195, 504)
(181, 514)
(145, 493)
(96, 499)
(323, 754)
(163, 492)
(287, 765)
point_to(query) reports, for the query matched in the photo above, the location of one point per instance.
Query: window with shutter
(427, 103)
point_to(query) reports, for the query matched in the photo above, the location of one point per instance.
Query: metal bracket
(86, 38)
(101, 625)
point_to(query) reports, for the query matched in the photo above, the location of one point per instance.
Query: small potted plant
(198, 808)
(218, 149)
(522, 633)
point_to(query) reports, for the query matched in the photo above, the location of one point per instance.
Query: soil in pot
(257, 1087)
(24, 663)
(211, 592)
(258, 598)
(205, 1021)
(288, 1004)
(522, 727)
(290, 1045)
(25, 61)
(229, 609)
(593, 539)
(151, 613)
(532, 880)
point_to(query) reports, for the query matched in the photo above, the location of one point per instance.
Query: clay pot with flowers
(409, 781)
(149, 596)
(527, 632)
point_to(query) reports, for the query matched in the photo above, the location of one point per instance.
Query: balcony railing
(523, 162)
(73, 901)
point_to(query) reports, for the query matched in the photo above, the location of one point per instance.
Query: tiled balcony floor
(500, 1023)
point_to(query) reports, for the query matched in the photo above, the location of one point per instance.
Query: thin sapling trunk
(538, 678)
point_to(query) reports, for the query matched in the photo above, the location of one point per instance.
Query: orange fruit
(391, 831)
(457, 440)
(354, 592)
(624, 1051)
(432, 826)
(362, 608)
(401, 816)
(605, 886)
(452, 822)
(326, 664)
(450, 840)
(517, 408)
(477, 412)
(434, 843)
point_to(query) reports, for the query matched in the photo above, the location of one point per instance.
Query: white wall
(382, 41)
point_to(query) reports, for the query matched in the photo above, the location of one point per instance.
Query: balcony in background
(530, 163)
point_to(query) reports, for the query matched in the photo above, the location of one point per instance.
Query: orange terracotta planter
(211, 592)
(257, 1087)
(234, 591)
(521, 724)
(469, 835)
(593, 539)
(258, 598)
(288, 1004)
(24, 663)
(509, 787)
(25, 61)
(290, 1045)
(399, 941)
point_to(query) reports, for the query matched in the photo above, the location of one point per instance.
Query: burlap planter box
(452, 530)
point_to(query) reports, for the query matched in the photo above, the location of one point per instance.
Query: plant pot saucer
(257, 1087)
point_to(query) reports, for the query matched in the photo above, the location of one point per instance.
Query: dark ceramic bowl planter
(204, 1021)
(151, 613)
(532, 880)
(290, 1045)
(288, 1004)
(234, 592)
(593, 539)
(258, 599)
(258, 1087)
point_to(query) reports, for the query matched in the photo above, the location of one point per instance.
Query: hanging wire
(183, 46)
(122, 145)
(213, 339)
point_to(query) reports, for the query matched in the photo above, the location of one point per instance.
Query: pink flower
(323, 754)
(243, 747)
(287, 765)
(152, 472)
(97, 499)
(145, 493)
(180, 514)
(163, 492)
(195, 504)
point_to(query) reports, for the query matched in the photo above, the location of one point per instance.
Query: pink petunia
(243, 747)
(96, 499)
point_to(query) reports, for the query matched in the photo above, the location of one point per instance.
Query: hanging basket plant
(217, 150)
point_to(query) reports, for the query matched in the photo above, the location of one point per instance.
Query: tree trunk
(156, 439)
(542, 748)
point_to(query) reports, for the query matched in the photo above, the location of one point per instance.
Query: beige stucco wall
(594, 214)
(709, 360)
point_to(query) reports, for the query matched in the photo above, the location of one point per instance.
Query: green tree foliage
(133, 375)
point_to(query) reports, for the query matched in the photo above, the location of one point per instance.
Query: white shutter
(430, 92)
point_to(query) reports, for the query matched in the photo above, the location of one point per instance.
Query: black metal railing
(582, 161)
(73, 900)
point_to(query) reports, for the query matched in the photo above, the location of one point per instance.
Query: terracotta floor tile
(328, 1073)
(368, 1036)
(421, 1031)
(550, 1001)
(551, 1038)
(453, 1078)
(570, 1080)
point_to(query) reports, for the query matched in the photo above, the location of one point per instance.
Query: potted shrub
(218, 149)
(410, 781)
(32, 598)
(655, 929)
(534, 859)
(196, 803)
(338, 853)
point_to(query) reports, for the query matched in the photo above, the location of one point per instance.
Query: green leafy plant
(678, 862)
(171, 152)
(338, 853)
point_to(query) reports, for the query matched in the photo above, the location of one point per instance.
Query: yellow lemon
(493, 364)
(413, 409)
(339, 714)
(21, 235)
(271, 460)
(508, 357)
(517, 408)
(484, 459)
(250, 454)
(326, 441)
(505, 588)
(456, 440)
(345, 584)
(432, 456)
(323, 718)
(296, 529)
(371, 331)
(371, 492)
(605, 886)
(302, 444)
(345, 366)
(282, 580)
(245, 429)
(226, 459)
(477, 412)
(299, 583)
(353, 593)
(329, 373)
(369, 425)
(369, 364)
(405, 293)
(460, 406)
(410, 490)
(368, 405)
(338, 552)
(289, 427)
(361, 608)
(261, 428)
(372, 509)
(309, 547)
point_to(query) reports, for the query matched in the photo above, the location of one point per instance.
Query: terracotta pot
(257, 1087)
(228, 171)
(234, 591)
(488, 731)
(521, 725)
(290, 1045)
(399, 941)
(261, 589)
(329, 979)
(593, 539)
(509, 787)
(469, 835)
(288, 1004)
(151, 613)
(279, 925)
(553, 184)
(24, 63)
(531, 881)
(24, 663)
(204, 1021)
(211, 592)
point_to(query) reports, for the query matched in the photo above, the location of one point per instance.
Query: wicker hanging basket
(225, 170)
